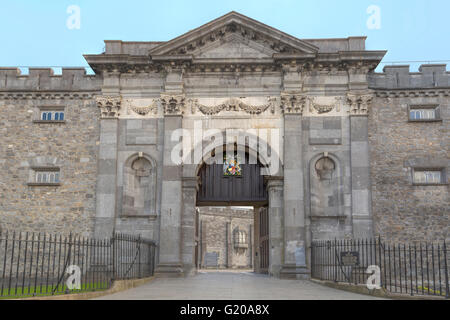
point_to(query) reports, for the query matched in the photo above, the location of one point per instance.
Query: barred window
(52, 115)
(47, 177)
(428, 176)
(423, 113)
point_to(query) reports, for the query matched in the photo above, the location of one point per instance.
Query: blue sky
(34, 33)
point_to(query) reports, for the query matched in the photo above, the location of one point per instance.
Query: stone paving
(229, 285)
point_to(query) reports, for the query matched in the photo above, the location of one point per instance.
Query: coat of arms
(231, 166)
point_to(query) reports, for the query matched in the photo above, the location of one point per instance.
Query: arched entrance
(235, 179)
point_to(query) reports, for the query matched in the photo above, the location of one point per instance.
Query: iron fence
(39, 264)
(413, 269)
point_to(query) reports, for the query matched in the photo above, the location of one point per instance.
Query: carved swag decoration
(143, 110)
(233, 104)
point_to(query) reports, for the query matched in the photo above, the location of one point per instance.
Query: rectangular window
(47, 177)
(52, 115)
(434, 176)
(42, 176)
(424, 113)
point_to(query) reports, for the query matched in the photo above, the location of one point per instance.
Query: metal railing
(413, 269)
(38, 264)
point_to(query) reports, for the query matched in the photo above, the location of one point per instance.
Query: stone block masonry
(70, 146)
(402, 210)
(219, 233)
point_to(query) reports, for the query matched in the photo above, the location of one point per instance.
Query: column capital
(190, 183)
(173, 104)
(274, 182)
(359, 103)
(109, 106)
(293, 102)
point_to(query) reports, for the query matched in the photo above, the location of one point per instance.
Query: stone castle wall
(27, 143)
(403, 211)
(215, 237)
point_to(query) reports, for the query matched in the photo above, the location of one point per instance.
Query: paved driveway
(232, 286)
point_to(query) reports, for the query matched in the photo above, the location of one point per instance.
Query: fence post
(447, 289)
(139, 258)
(335, 260)
(113, 256)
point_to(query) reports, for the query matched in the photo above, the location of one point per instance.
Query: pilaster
(276, 236)
(294, 263)
(360, 164)
(107, 166)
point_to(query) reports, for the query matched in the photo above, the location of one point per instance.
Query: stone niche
(325, 188)
(139, 187)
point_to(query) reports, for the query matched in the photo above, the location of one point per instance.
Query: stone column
(360, 165)
(257, 250)
(276, 227)
(188, 225)
(170, 251)
(229, 245)
(250, 245)
(204, 241)
(107, 167)
(294, 264)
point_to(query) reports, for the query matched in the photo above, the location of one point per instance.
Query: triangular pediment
(233, 46)
(243, 36)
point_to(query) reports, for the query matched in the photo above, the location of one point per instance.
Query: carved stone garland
(109, 106)
(143, 110)
(232, 104)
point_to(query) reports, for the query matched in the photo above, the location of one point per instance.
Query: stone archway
(273, 202)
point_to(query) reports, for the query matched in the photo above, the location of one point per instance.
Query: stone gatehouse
(317, 142)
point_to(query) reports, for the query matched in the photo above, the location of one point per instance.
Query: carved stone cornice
(293, 103)
(233, 28)
(109, 106)
(173, 105)
(10, 95)
(411, 93)
(232, 104)
(359, 103)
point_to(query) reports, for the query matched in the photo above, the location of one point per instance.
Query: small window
(52, 115)
(47, 177)
(434, 176)
(428, 113)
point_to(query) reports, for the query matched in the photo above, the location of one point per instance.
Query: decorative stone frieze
(143, 111)
(293, 103)
(233, 104)
(315, 107)
(109, 106)
(359, 103)
(173, 104)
